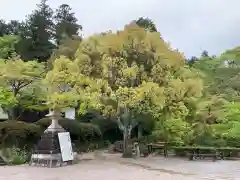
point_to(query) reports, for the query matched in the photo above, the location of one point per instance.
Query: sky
(189, 25)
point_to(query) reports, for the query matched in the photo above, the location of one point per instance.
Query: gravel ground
(108, 167)
(92, 170)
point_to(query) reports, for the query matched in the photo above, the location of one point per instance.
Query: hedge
(21, 134)
(18, 133)
(78, 131)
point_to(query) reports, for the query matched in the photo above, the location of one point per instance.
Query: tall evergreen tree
(38, 35)
(146, 23)
(66, 23)
(205, 54)
(3, 28)
(15, 27)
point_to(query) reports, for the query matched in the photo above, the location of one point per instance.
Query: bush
(77, 130)
(18, 133)
(91, 146)
(15, 156)
(232, 141)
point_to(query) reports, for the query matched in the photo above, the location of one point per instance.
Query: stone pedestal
(47, 152)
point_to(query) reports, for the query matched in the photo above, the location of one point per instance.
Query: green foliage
(232, 54)
(78, 131)
(66, 23)
(24, 135)
(18, 133)
(131, 77)
(3, 28)
(59, 82)
(16, 76)
(228, 130)
(141, 74)
(13, 27)
(220, 79)
(96, 118)
(67, 47)
(37, 35)
(147, 24)
(7, 46)
(33, 97)
(67, 87)
(6, 98)
(15, 156)
(173, 131)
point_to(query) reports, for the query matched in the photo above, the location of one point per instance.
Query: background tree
(65, 23)
(17, 75)
(205, 54)
(3, 28)
(8, 45)
(219, 79)
(192, 60)
(67, 48)
(67, 87)
(38, 34)
(146, 23)
(231, 54)
(40, 29)
(15, 27)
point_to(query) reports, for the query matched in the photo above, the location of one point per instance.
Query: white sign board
(70, 113)
(66, 146)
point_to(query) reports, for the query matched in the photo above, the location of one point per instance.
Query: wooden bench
(229, 152)
(195, 153)
(118, 146)
(158, 146)
(202, 155)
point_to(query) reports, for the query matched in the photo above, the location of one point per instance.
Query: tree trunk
(124, 141)
(127, 148)
(140, 131)
(12, 113)
(13, 110)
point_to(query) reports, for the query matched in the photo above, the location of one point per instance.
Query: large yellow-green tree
(143, 74)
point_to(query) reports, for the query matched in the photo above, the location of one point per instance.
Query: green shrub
(77, 130)
(18, 133)
(91, 146)
(15, 156)
(180, 152)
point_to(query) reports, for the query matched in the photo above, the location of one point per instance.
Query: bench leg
(149, 149)
(165, 153)
(215, 158)
(191, 157)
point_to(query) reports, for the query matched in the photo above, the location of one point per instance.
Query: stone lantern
(47, 152)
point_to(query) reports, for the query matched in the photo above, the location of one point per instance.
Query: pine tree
(65, 23)
(38, 35)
